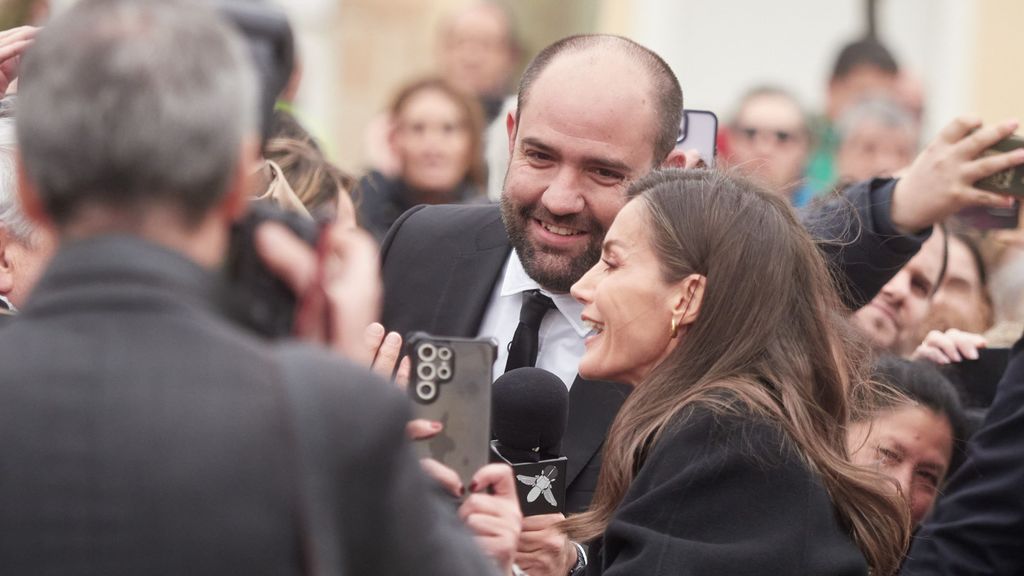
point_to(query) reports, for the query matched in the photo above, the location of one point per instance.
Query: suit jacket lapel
(470, 283)
(593, 405)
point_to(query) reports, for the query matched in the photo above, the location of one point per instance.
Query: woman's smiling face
(628, 303)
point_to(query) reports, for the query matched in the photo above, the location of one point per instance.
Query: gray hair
(882, 110)
(130, 104)
(11, 216)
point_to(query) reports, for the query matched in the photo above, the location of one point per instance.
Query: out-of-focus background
(356, 52)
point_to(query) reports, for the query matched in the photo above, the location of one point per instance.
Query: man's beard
(555, 271)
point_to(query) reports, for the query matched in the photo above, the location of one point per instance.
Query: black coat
(977, 526)
(725, 494)
(141, 433)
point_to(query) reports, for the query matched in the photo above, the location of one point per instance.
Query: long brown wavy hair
(771, 332)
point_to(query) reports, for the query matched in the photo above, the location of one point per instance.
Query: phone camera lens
(426, 371)
(444, 353)
(426, 391)
(427, 352)
(444, 372)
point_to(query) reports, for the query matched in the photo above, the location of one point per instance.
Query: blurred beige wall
(998, 86)
(383, 43)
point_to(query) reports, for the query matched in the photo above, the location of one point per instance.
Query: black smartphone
(1009, 181)
(251, 294)
(699, 131)
(450, 382)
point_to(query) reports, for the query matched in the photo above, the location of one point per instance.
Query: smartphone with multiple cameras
(450, 382)
(699, 131)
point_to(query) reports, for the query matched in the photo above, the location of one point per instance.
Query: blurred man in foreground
(141, 433)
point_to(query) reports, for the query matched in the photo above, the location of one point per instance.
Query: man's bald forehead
(666, 94)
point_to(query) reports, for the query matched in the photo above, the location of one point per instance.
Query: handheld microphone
(529, 413)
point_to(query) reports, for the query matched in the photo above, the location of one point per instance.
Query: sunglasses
(778, 136)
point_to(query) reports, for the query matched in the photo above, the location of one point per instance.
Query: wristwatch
(581, 560)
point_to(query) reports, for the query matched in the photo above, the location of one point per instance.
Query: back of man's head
(128, 105)
(667, 95)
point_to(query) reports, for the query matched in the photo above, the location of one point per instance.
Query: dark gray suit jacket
(441, 264)
(140, 433)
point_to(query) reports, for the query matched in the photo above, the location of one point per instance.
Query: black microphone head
(529, 409)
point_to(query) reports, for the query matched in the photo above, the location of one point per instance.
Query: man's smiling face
(586, 130)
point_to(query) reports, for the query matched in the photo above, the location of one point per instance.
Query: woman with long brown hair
(729, 456)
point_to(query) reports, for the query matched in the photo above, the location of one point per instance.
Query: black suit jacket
(141, 433)
(977, 526)
(725, 494)
(441, 265)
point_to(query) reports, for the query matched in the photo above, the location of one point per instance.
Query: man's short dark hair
(129, 104)
(864, 52)
(668, 95)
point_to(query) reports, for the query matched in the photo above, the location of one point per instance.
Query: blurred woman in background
(436, 137)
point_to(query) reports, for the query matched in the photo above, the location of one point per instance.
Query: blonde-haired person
(322, 188)
(729, 456)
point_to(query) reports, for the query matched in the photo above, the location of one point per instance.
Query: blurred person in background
(437, 138)
(174, 437)
(863, 68)
(322, 187)
(877, 137)
(769, 141)
(24, 248)
(893, 318)
(478, 51)
(916, 443)
(962, 301)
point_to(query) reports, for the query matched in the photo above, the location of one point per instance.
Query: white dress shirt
(561, 333)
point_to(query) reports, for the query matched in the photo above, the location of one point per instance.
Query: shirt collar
(517, 281)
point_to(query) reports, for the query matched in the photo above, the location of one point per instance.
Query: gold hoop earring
(675, 328)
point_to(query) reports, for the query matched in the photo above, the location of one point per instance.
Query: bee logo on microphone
(542, 484)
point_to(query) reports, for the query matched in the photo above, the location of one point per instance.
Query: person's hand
(492, 513)
(941, 180)
(351, 289)
(385, 348)
(447, 478)
(422, 429)
(950, 346)
(543, 549)
(13, 43)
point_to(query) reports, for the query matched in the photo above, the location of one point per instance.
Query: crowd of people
(798, 364)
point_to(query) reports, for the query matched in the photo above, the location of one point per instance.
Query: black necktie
(522, 351)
